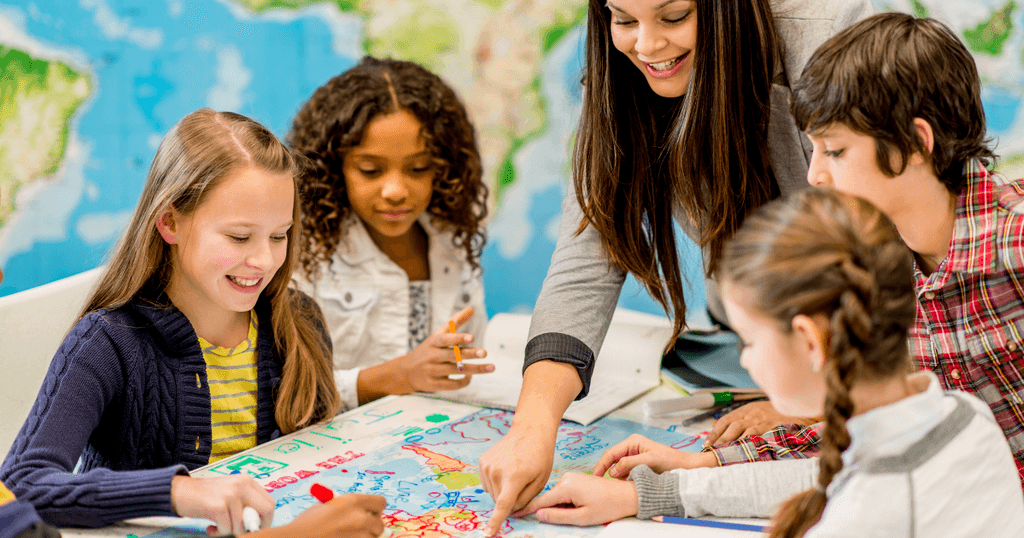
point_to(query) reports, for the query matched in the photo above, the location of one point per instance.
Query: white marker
(251, 519)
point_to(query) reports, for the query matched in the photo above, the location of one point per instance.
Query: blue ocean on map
(150, 65)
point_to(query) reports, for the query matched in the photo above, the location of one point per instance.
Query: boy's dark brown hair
(333, 121)
(876, 76)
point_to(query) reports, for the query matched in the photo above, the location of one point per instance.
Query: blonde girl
(191, 348)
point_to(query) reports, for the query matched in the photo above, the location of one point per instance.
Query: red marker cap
(321, 493)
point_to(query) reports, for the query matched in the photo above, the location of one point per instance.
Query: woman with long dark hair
(685, 117)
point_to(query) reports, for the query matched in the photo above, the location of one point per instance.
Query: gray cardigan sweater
(580, 291)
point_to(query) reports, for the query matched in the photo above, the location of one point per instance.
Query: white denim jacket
(364, 297)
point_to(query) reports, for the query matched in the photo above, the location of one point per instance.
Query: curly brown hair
(333, 121)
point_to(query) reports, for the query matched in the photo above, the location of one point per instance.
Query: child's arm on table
(753, 490)
(620, 459)
(755, 418)
(786, 441)
(426, 368)
(84, 379)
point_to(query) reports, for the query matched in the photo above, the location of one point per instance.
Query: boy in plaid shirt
(895, 116)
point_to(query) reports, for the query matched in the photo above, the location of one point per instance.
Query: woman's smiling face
(658, 37)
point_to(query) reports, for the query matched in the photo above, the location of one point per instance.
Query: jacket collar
(358, 247)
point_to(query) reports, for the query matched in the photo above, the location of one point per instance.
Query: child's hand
(346, 516)
(620, 459)
(221, 500)
(426, 368)
(755, 418)
(592, 501)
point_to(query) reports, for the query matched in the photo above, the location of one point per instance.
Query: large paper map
(421, 454)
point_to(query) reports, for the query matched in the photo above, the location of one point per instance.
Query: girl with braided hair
(819, 289)
(393, 227)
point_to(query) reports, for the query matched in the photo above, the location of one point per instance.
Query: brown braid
(333, 121)
(825, 253)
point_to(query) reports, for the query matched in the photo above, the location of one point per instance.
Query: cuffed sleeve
(786, 441)
(657, 494)
(347, 382)
(562, 348)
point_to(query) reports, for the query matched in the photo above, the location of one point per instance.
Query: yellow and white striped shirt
(231, 373)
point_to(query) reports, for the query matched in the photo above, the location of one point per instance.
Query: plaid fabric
(783, 441)
(970, 311)
(969, 328)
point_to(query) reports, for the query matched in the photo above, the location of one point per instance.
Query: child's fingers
(474, 369)
(550, 498)
(446, 357)
(463, 316)
(444, 365)
(614, 454)
(622, 467)
(263, 503)
(717, 430)
(732, 432)
(447, 340)
(564, 516)
(446, 383)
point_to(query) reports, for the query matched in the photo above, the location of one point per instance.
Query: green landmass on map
(507, 170)
(918, 8)
(564, 22)
(258, 6)
(37, 101)
(990, 36)
(427, 33)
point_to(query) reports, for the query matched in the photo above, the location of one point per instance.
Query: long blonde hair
(828, 253)
(193, 158)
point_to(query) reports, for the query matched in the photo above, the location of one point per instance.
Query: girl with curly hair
(820, 289)
(393, 223)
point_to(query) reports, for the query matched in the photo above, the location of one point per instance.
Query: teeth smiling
(666, 65)
(245, 281)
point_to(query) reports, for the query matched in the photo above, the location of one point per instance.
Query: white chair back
(32, 326)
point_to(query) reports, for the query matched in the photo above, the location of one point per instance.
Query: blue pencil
(708, 523)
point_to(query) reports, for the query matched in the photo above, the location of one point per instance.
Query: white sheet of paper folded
(627, 366)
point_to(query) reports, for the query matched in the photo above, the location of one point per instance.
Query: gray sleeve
(747, 490)
(656, 494)
(578, 298)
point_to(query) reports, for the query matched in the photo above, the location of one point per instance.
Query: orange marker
(458, 352)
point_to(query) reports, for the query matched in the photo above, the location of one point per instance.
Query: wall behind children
(89, 87)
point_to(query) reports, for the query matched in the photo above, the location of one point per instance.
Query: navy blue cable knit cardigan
(127, 393)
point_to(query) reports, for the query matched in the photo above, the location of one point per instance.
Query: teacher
(685, 117)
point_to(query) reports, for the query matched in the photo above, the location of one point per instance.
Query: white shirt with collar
(932, 464)
(364, 296)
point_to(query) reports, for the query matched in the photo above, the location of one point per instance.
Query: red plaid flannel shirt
(969, 327)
